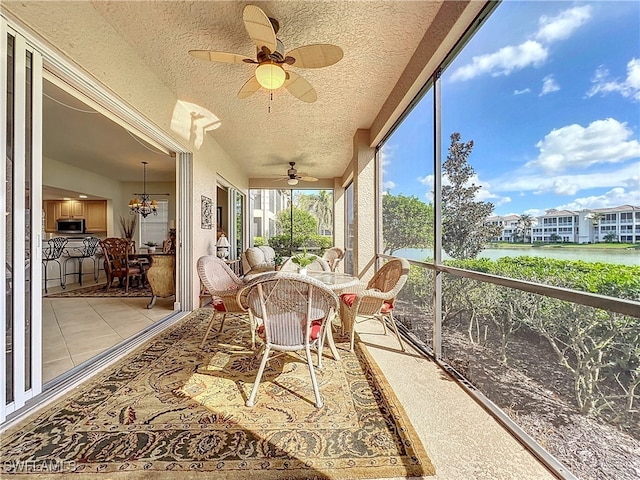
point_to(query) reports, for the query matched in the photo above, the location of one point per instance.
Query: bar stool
(88, 250)
(52, 254)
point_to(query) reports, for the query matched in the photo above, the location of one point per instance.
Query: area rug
(173, 410)
(99, 290)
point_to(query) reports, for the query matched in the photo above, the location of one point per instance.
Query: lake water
(623, 257)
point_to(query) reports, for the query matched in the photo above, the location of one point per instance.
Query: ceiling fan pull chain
(270, 100)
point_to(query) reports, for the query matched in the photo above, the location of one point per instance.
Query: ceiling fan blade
(219, 56)
(300, 88)
(259, 27)
(249, 88)
(308, 179)
(316, 56)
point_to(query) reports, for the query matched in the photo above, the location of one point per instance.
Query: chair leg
(211, 322)
(254, 390)
(252, 326)
(314, 381)
(46, 264)
(353, 333)
(395, 329)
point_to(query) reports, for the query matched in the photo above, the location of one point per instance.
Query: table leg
(329, 334)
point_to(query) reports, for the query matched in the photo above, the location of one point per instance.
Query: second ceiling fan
(271, 58)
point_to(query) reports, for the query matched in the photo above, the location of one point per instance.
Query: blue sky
(549, 92)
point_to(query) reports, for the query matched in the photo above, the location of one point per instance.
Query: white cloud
(520, 92)
(532, 52)
(574, 146)
(534, 212)
(613, 198)
(388, 185)
(628, 88)
(503, 62)
(428, 181)
(549, 85)
(627, 177)
(562, 25)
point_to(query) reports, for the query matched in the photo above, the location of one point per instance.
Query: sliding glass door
(20, 154)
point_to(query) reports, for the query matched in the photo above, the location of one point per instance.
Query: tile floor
(76, 329)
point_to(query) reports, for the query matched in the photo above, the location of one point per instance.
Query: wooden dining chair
(117, 263)
(295, 311)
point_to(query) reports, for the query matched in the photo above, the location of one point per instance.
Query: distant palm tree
(320, 205)
(596, 218)
(524, 227)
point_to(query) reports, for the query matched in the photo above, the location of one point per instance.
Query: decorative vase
(302, 271)
(151, 249)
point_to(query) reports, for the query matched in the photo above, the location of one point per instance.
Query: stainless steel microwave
(70, 225)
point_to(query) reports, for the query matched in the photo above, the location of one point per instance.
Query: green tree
(464, 228)
(406, 223)
(304, 224)
(320, 205)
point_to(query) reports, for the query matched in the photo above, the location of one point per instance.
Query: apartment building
(618, 224)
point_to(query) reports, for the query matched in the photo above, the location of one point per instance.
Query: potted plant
(151, 246)
(277, 261)
(303, 260)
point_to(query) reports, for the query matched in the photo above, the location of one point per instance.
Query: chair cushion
(218, 305)
(350, 298)
(316, 325)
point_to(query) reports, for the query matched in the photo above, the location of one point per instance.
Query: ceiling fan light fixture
(292, 181)
(270, 75)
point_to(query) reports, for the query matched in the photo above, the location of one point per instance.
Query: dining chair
(294, 311)
(318, 265)
(117, 263)
(222, 285)
(333, 257)
(52, 253)
(377, 299)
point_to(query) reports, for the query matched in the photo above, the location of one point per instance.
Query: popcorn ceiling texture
(139, 49)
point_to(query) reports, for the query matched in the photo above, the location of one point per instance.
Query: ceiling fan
(271, 58)
(293, 176)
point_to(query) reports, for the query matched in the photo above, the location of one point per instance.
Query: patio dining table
(337, 282)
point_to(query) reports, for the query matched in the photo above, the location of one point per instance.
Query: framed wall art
(206, 206)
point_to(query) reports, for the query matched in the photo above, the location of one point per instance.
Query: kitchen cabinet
(93, 211)
(51, 212)
(96, 216)
(71, 209)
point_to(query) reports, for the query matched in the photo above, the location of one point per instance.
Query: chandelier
(143, 204)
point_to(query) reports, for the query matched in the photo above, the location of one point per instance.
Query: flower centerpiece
(303, 260)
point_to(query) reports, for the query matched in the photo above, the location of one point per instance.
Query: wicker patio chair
(377, 299)
(222, 285)
(333, 257)
(295, 311)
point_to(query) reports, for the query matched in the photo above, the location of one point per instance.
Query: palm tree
(524, 226)
(319, 205)
(596, 218)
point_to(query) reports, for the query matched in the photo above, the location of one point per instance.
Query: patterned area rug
(173, 410)
(99, 290)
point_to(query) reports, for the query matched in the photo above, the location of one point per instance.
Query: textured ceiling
(378, 38)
